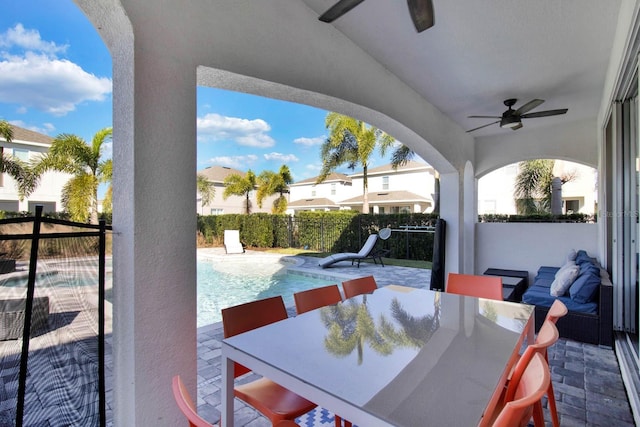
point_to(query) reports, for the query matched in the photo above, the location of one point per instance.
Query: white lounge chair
(232, 242)
(365, 252)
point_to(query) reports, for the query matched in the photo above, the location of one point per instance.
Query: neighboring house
(28, 145)
(233, 204)
(495, 189)
(306, 195)
(407, 189)
(388, 190)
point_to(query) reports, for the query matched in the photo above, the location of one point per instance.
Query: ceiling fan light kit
(421, 12)
(509, 122)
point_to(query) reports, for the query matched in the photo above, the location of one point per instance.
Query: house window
(217, 211)
(333, 189)
(571, 206)
(381, 210)
(21, 154)
(313, 193)
(385, 182)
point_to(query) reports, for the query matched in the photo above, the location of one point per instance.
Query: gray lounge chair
(365, 252)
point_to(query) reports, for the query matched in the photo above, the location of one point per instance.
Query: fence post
(102, 390)
(26, 331)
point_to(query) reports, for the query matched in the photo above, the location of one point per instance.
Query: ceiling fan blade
(516, 127)
(483, 126)
(484, 117)
(546, 113)
(339, 9)
(421, 12)
(529, 106)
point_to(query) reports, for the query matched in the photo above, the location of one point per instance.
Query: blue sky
(55, 77)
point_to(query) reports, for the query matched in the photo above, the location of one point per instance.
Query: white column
(154, 177)
(470, 214)
(450, 211)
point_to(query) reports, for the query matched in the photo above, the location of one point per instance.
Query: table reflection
(351, 325)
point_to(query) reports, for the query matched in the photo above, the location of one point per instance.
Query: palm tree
(352, 142)
(270, 183)
(71, 154)
(17, 169)
(206, 189)
(532, 189)
(238, 185)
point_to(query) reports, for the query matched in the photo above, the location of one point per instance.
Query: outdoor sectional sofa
(590, 302)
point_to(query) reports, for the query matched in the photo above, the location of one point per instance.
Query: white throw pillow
(566, 265)
(571, 256)
(563, 281)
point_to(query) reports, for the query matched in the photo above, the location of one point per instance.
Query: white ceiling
(481, 52)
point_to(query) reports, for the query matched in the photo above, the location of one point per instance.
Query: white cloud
(309, 142)
(238, 162)
(29, 40)
(251, 133)
(314, 167)
(281, 157)
(33, 77)
(46, 129)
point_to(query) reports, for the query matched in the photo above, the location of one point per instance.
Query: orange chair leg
(551, 399)
(538, 415)
(339, 422)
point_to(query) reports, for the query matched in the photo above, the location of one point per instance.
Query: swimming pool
(224, 283)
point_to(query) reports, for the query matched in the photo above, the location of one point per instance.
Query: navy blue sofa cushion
(581, 299)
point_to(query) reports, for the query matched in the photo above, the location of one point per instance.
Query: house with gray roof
(409, 188)
(232, 204)
(27, 146)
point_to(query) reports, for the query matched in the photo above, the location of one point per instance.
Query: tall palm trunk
(365, 189)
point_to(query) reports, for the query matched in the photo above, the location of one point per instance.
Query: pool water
(224, 284)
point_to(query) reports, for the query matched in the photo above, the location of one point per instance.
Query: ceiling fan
(512, 119)
(421, 12)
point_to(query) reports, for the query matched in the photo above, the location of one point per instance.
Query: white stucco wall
(527, 246)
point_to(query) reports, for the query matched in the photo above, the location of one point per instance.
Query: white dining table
(399, 357)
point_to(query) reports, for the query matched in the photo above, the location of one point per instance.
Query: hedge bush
(335, 231)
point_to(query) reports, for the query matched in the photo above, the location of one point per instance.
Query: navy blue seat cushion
(582, 294)
(539, 295)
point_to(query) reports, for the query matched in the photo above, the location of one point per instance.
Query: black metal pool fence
(52, 322)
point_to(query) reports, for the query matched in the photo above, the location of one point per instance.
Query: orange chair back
(557, 310)
(316, 298)
(245, 317)
(531, 387)
(359, 286)
(547, 336)
(183, 399)
(475, 286)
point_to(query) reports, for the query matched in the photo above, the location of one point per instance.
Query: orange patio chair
(547, 336)
(316, 298)
(359, 286)
(531, 386)
(475, 286)
(556, 311)
(186, 405)
(271, 399)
